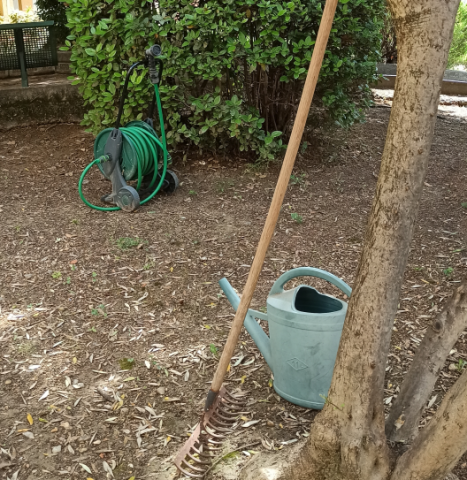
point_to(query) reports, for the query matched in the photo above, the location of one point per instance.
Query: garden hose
(140, 155)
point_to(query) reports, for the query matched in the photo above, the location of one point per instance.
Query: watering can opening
(309, 300)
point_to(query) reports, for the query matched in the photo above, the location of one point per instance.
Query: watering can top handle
(278, 286)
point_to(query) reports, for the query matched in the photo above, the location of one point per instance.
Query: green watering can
(305, 328)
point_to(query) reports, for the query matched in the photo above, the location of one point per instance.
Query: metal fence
(27, 45)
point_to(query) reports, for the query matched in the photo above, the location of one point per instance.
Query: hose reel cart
(134, 152)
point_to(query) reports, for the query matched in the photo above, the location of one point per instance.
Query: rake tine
(197, 460)
(212, 443)
(234, 400)
(230, 409)
(227, 419)
(195, 469)
(188, 474)
(233, 405)
(219, 423)
(220, 429)
(211, 457)
(231, 416)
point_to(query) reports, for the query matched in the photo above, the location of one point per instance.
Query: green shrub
(458, 50)
(56, 11)
(389, 41)
(234, 70)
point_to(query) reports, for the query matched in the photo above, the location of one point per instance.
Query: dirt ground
(129, 303)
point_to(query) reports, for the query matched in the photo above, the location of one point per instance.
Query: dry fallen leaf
(107, 468)
(14, 476)
(30, 420)
(173, 399)
(44, 395)
(85, 467)
(432, 401)
(249, 424)
(399, 422)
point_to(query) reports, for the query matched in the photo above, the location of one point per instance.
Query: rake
(222, 409)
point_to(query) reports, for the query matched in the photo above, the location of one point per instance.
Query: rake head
(205, 443)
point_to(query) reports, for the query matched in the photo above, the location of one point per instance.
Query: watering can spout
(253, 328)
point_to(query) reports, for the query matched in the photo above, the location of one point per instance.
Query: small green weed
(94, 276)
(161, 368)
(464, 205)
(448, 271)
(340, 184)
(124, 243)
(461, 364)
(25, 348)
(148, 266)
(298, 218)
(127, 363)
(75, 221)
(326, 400)
(100, 309)
(56, 275)
(68, 280)
(192, 192)
(221, 187)
(297, 179)
(213, 349)
(93, 330)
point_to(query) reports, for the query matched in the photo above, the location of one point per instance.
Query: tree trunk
(402, 422)
(347, 440)
(440, 445)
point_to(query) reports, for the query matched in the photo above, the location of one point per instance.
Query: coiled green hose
(146, 146)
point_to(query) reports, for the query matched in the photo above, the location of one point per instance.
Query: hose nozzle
(154, 51)
(152, 54)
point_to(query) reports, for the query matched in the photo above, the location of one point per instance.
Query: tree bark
(440, 445)
(347, 440)
(402, 422)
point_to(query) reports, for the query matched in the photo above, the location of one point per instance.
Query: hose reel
(134, 153)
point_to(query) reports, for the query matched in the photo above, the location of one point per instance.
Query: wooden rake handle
(277, 199)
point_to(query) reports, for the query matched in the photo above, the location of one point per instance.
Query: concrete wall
(454, 81)
(391, 69)
(52, 103)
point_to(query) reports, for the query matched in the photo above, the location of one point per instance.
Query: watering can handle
(278, 286)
